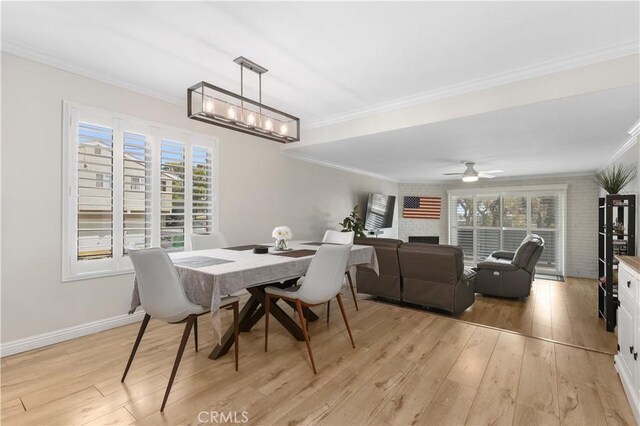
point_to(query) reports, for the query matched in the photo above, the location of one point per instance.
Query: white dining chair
(162, 297)
(208, 241)
(338, 237)
(322, 283)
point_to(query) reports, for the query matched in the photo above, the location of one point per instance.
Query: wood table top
(632, 261)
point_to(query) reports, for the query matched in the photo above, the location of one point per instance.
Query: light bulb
(268, 125)
(469, 178)
(283, 129)
(231, 113)
(208, 106)
(251, 119)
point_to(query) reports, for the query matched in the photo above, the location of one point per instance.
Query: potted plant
(353, 223)
(616, 177)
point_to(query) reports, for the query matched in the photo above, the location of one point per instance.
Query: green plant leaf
(616, 177)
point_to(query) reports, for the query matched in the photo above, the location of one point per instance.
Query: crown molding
(339, 167)
(635, 129)
(25, 52)
(533, 71)
(622, 149)
(629, 143)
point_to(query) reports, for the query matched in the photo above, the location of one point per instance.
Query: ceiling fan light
(469, 178)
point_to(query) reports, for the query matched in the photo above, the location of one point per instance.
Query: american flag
(422, 207)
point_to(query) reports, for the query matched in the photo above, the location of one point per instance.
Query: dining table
(208, 275)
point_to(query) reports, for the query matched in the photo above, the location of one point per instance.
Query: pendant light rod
(252, 66)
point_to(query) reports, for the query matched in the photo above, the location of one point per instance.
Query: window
(490, 220)
(127, 185)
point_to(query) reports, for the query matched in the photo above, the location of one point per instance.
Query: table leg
(251, 312)
(227, 340)
(257, 316)
(277, 312)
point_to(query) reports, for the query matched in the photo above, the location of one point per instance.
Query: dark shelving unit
(612, 209)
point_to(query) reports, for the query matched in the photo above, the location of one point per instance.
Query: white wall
(582, 216)
(259, 189)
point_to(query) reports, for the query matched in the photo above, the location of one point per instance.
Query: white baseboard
(46, 339)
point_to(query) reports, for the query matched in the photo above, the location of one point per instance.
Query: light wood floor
(562, 311)
(409, 367)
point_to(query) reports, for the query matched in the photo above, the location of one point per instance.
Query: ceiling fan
(472, 175)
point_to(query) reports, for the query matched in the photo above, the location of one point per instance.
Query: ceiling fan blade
(492, 172)
(485, 175)
(453, 174)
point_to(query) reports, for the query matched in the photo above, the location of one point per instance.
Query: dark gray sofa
(435, 276)
(424, 274)
(387, 284)
(510, 274)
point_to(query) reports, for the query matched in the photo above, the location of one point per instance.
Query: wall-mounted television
(379, 211)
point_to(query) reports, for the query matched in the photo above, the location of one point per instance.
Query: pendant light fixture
(220, 107)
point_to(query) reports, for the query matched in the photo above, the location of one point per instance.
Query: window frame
(515, 191)
(119, 264)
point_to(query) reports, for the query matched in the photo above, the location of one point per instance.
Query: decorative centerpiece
(615, 178)
(353, 223)
(282, 234)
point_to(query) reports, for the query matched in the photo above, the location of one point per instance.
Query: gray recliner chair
(435, 276)
(508, 274)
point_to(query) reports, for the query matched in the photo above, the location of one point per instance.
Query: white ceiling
(325, 59)
(569, 135)
(331, 59)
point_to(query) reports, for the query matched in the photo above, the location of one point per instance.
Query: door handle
(629, 283)
(635, 356)
(630, 349)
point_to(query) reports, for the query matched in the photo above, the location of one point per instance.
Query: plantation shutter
(136, 190)
(172, 193)
(202, 190)
(95, 192)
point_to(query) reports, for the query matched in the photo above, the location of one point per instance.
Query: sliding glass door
(484, 222)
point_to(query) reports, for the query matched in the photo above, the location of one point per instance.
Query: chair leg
(328, 310)
(185, 338)
(306, 319)
(195, 333)
(344, 316)
(236, 329)
(353, 292)
(143, 327)
(306, 335)
(267, 306)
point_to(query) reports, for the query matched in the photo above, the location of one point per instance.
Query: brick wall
(581, 223)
